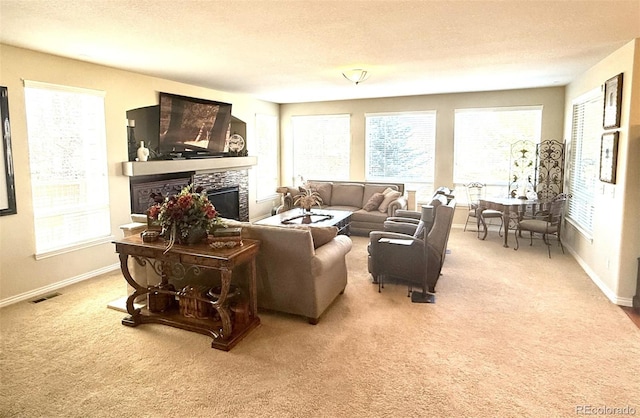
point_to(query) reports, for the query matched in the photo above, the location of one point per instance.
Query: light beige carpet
(512, 334)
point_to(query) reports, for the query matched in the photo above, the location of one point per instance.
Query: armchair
(412, 259)
(405, 221)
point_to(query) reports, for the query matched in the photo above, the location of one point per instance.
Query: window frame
(316, 140)
(581, 197)
(494, 186)
(266, 147)
(90, 176)
(423, 185)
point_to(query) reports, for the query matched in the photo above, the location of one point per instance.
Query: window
(68, 164)
(400, 147)
(267, 146)
(482, 144)
(321, 146)
(584, 158)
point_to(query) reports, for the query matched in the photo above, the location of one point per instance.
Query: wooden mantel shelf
(139, 168)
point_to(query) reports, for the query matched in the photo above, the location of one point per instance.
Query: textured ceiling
(295, 51)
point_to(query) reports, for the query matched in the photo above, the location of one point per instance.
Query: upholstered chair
(411, 259)
(405, 221)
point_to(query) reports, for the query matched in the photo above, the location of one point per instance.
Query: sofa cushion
(323, 189)
(374, 202)
(319, 234)
(374, 216)
(344, 208)
(347, 195)
(389, 196)
(371, 189)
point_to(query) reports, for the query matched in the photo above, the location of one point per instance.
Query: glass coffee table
(317, 217)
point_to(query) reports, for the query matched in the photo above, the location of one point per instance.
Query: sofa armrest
(403, 220)
(335, 249)
(403, 213)
(400, 227)
(399, 203)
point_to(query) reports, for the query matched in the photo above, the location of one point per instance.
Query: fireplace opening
(226, 200)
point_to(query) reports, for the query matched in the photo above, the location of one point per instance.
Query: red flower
(153, 211)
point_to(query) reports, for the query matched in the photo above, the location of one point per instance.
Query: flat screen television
(190, 124)
(183, 126)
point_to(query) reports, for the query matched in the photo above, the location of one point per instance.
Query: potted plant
(307, 199)
(185, 218)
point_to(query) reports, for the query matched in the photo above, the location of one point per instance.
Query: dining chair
(475, 192)
(546, 222)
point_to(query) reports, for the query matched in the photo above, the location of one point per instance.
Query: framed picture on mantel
(612, 102)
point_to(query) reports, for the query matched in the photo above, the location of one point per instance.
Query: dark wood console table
(193, 259)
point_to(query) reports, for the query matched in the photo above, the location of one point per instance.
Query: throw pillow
(324, 190)
(373, 202)
(388, 198)
(320, 235)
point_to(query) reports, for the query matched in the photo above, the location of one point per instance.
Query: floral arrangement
(181, 214)
(307, 199)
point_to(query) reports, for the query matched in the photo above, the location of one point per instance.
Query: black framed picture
(7, 183)
(609, 157)
(612, 102)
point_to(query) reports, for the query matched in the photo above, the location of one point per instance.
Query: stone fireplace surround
(168, 176)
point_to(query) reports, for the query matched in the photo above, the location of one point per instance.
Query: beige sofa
(351, 196)
(292, 275)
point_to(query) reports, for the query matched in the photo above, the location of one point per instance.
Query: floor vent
(46, 297)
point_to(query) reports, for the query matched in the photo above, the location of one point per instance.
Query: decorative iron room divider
(538, 167)
(550, 169)
(522, 171)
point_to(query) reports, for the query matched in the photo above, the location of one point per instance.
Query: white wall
(21, 276)
(610, 255)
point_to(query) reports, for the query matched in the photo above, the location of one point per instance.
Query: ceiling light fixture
(356, 76)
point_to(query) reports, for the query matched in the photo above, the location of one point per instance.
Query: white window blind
(68, 165)
(400, 147)
(584, 159)
(321, 146)
(482, 143)
(267, 152)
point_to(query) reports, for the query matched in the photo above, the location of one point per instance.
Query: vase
(143, 153)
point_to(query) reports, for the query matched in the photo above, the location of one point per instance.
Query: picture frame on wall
(612, 102)
(609, 157)
(7, 183)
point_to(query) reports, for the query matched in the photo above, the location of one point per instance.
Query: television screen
(193, 125)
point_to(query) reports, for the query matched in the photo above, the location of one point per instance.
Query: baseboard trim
(610, 294)
(58, 285)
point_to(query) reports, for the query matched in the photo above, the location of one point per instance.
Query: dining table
(513, 209)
